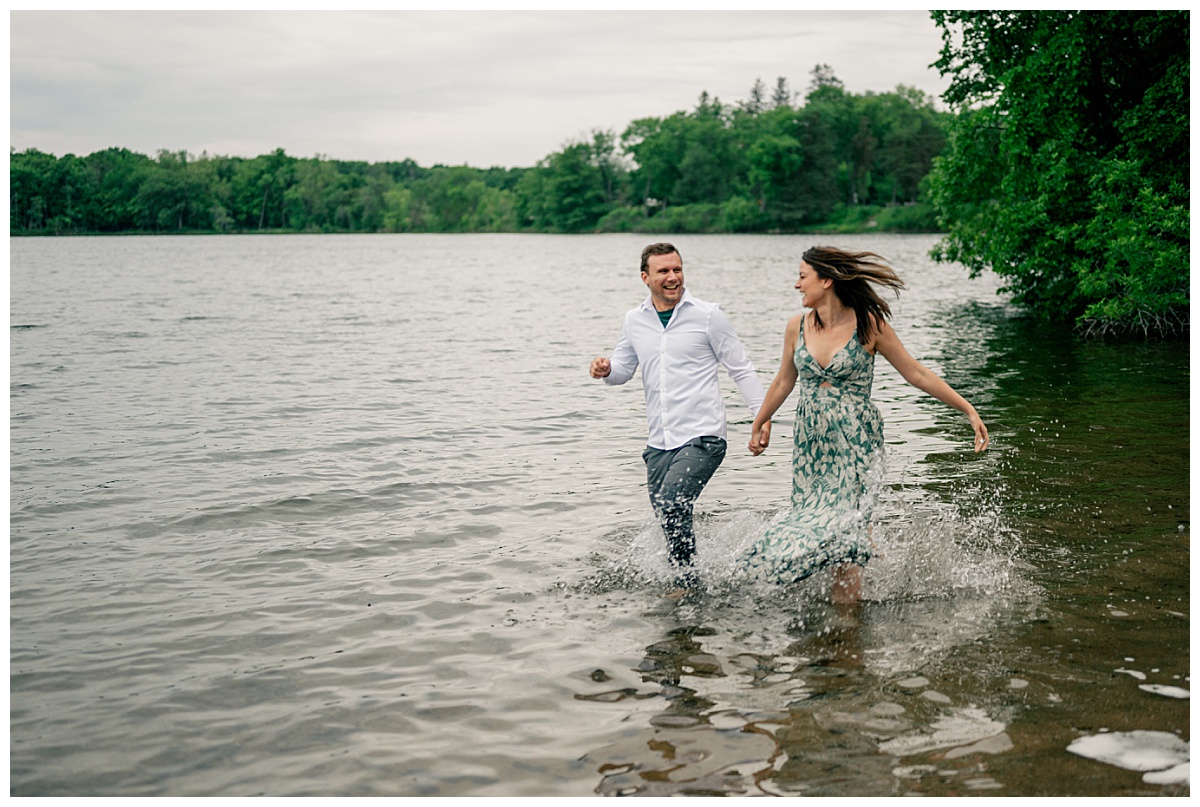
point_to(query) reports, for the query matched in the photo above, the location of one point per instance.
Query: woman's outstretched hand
(760, 438)
(981, 435)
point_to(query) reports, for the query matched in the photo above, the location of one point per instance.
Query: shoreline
(167, 233)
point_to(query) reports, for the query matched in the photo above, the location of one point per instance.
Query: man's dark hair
(661, 248)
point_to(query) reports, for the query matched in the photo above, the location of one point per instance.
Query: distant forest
(774, 162)
(1064, 168)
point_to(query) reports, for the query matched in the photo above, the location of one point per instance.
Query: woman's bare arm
(781, 387)
(887, 343)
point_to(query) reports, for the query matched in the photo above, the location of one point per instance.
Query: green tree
(1066, 170)
(368, 202)
(772, 155)
(217, 174)
(657, 146)
(613, 172)
(709, 165)
(685, 158)
(911, 134)
(50, 194)
(823, 78)
(318, 195)
(782, 96)
(792, 165)
(397, 215)
(495, 212)
(898, 134)
(844, 117)
(259, 189)
(575, 189)
(756, 165)
(451, 197)
(757, 102)
(29, 189)
(173, 197)
(531, 203)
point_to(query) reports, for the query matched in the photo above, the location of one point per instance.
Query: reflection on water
(813, 719)
(1000, 615)
(317, 516)
(764, 689)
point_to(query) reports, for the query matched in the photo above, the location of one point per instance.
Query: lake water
(345, 515)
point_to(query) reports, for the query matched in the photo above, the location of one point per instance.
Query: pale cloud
(476, 87)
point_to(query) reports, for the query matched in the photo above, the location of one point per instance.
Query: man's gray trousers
(675, 478)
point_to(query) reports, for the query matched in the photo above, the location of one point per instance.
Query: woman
(837, 463)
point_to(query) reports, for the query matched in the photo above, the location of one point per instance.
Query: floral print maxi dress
(837, 467)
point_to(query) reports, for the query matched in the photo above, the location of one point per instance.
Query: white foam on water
(1141, 676)
(1181, 774)
(1167, 691)
(961, 727)
(1137, 751)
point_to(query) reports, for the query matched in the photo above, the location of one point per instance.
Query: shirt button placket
(662, 386)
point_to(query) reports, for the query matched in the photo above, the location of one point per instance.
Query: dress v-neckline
(834, 355)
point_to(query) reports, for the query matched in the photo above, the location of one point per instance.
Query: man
(679, 340)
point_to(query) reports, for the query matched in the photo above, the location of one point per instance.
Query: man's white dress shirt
(679, 369)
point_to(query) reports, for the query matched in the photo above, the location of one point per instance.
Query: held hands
(760, 437)
(600, 367)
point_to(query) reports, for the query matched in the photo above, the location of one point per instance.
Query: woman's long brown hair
(853, 274)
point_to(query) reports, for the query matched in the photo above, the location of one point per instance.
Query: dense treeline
(770, 162)
(1064, 168)
(1067, 171)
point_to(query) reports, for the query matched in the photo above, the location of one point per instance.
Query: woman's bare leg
(847, 584)
(847, 578)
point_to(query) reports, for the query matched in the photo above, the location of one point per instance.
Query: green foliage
(657, 147)
(1066, 171)
(70, 194)
(1141, 237)
(916, 217)
(740, 215)
(702, 217)
(850, 219)
(759, 165)
(622, 220)
(574, 188)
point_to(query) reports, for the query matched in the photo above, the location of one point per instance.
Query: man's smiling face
(664, 277)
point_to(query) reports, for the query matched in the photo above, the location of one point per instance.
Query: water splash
(924, 551)
(947, 570)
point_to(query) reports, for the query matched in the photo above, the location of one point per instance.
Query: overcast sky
(480, 88)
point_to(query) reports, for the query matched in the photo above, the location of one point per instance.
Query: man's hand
(760, 439)
(600, 367)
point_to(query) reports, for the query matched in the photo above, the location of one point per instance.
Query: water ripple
(292, 516)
